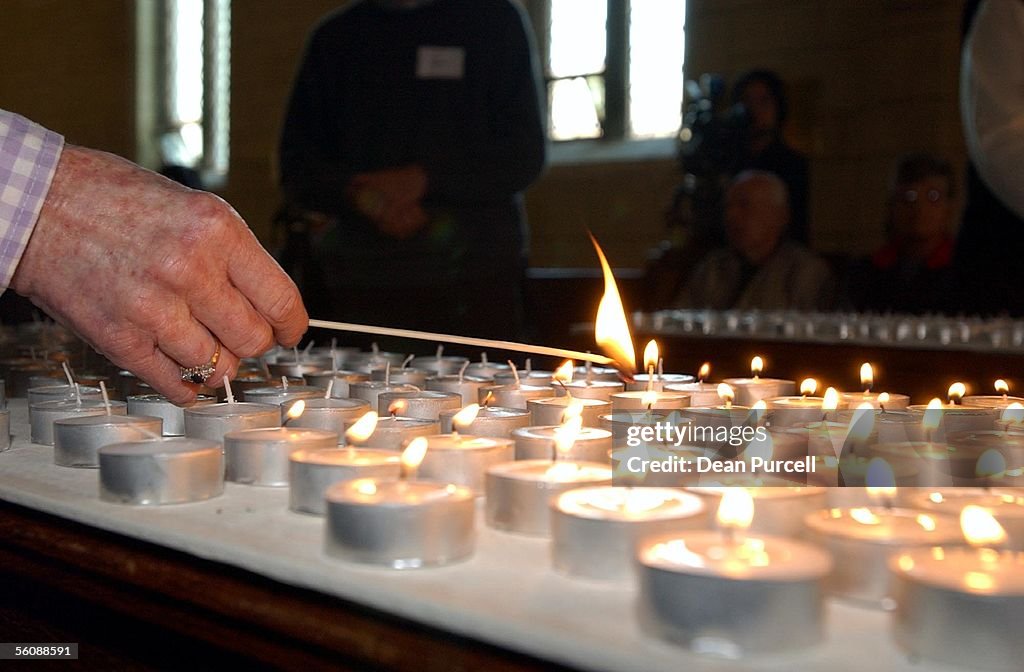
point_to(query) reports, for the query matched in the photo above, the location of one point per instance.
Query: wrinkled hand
(152, 274)
(391, 198)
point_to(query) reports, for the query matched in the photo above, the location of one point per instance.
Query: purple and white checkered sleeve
(28, 160)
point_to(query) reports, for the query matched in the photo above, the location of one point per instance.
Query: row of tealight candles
(424, 439)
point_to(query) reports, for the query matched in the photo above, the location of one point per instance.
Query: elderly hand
(153, 274)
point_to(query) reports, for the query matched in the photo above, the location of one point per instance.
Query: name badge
(440, 62)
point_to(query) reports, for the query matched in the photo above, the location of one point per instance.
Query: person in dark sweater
(913, 272)
(416, 126)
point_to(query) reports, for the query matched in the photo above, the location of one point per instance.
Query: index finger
(269, 289)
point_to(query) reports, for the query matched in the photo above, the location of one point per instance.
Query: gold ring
(200, 374)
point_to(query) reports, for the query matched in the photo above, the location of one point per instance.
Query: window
(614, 67)
(184, 76)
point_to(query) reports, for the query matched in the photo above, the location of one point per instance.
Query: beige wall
(870, 80)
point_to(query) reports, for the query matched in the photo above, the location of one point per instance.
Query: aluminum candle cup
(369, 390)
(78, 439)
(417, 377)
(368, 361)
(701, 394)
(342, 380)
(996, 451)
(778, 510)
(59, 392)
(1000, 401)
(549, 411)
(960, 418)
(486, 369)
(400, 524)
(732, 598)
(467, 387)
(519, 493)
(938, 464)
(790, 411)
(275, 396)
(463, 460)
(749, 391)
(158, 406)
(597, 389)
(960, 606)
(854, 470)
(311, 472)
(639, 383)
(851, 400)
(394, 433)
(161, 471)
(638, 401)
(830, 438)
(332, 415)
(538, 443)
(492, 421)
(863, 539)
(1005, 505)
(596, 373)
(46, 412)
(260, 456)
(534, 378)
(305, 364)
(213, 421)
(442, 366)
(895, 426)
(419, 404)
(513, 396)
(595, 530)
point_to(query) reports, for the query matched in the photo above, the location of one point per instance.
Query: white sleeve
(992, 98)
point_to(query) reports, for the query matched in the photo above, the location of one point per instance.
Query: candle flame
(366, 486)
(990, 463)
(932, 414)
(883, 398)
(1002, 387)
(563, 374)
(956, 392)
(756, 366)
(808, 386)
(297, 409)
(726, 394)
(414, 453)
(466, 416)
(926, 522)
(980, 527)
(488, 398)
(649, 398)
(705, 371)
(736, 510)
(867, 376)
(574, 409)
(880, 479)
(651, 355)
(1013, 413)
(397, 406)
(566, 434)
(611, 330)
(831, 400)
(361, 429)
(864, 516)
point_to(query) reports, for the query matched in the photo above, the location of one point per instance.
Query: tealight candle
(300, 367)
(78, 438)
(549, 411)
(731, 593)
(938, 464)
(492, 421)
(953, 417)
(423, 404)
(400, 524)
(159, 406)
(369, 390)
(1005, 505)
(213, 421)
(591, 444)
(46, 412)
(519, 493)
(311, 472)
(654, 401)
(513, 396)
(779, 509)
(377, 359)
(338, 381)
(527, 377)
(861, 541)
(595, 530)
(468, 387)
(962, 606)
(751, 390)
(855, 472)
(60, 392)
(260, 456)
(602, 390)
(485, 369)
(330, 414)
(161, 471)
(1000, 400)
(657, 382)
(403, 376)
(394, 433)
(441, 365)
(463, 459)
(275, 396)
(879, 400)
(592, 373)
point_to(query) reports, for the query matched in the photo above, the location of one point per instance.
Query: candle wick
(650, 378)
(405, 362)
(375, 348)
(306, 350)
(529, 365)
(462, 371)
(284, 383)
(106, 398)
(387, 373)
(67, 372)
(661, 367)
(265, 367)
(78, 396)
(515, 372)
(227, 390)
(330, 388)
(483, 357)
(440, 350)
(295, 352)
(334, 361)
